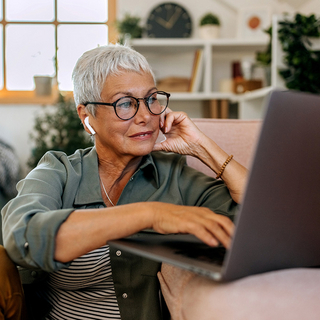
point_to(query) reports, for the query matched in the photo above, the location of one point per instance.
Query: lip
(145, 135)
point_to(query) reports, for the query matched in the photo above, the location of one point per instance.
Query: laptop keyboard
(200, 252)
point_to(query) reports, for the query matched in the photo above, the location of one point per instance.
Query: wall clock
(169, 20)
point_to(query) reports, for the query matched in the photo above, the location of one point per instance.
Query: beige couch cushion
(291, 294)
(237, 137)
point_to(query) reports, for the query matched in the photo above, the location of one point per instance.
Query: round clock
(169, 20)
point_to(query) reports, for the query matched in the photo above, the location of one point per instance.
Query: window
(46, 37)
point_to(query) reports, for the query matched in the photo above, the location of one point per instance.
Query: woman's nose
(143, 109)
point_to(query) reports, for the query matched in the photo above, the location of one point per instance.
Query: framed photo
(252, 21)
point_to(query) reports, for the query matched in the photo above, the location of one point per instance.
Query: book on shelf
(173, 84)
(197, 70)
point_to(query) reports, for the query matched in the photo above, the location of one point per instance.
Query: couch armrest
(291, 294)
(237, 137)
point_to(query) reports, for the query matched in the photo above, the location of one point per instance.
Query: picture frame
(252, 22)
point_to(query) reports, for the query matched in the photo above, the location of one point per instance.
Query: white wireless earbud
(86, 121)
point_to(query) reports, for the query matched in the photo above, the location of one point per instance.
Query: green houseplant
(263, 58)
(209, 26)
(129, 28)
(59, 129)
(302, 62)
(209, 18)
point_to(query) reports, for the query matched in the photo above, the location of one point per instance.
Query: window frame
(29, 96)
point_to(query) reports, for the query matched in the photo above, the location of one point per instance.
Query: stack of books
(197, 71)
(183, 84)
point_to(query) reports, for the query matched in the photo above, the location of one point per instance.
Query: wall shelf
(174, 57)
(255, 94)
(192, 42)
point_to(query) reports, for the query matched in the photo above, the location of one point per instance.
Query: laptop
(278, 222)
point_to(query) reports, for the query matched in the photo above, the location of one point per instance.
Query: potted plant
(209, 26)
(263, 58)
(301, 58)
(129, 28)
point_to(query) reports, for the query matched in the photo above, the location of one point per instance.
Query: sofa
(285, 294)
(237, 137)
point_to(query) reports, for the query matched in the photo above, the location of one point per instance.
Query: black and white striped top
(85, 290)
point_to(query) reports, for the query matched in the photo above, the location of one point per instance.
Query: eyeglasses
(127, 107)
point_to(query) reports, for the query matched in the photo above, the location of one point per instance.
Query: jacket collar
(89, 190)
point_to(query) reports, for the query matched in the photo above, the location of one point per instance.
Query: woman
(68, 208)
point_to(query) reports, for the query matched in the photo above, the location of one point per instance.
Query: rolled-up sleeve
(180, 184)
(32, 219)
(201, 190)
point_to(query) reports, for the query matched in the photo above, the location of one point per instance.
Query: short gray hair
(94, 66)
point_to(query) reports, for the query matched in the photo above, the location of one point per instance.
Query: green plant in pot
(129, 28)
(263, 58)
(58, 129)
(209, 26)
(301, 60)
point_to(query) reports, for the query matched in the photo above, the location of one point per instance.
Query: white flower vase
(43, 85)
(313, 44)
(209, 31)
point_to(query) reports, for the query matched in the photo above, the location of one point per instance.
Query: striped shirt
(85, 289)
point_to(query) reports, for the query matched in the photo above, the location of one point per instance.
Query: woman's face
(131, 138)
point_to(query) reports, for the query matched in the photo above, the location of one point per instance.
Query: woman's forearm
(86, 230)
(234, 175)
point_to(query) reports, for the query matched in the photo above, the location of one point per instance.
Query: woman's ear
(84, 117)
(82, 112)
(86, 121)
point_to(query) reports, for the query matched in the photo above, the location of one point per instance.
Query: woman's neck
(117, 170)
(114, 175)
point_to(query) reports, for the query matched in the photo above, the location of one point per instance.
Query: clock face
(169, 20)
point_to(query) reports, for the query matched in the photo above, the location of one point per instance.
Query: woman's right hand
(102, 225)
(206, 225)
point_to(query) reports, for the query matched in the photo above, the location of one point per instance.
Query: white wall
(17, 121)
(312, 6)
(196, 9)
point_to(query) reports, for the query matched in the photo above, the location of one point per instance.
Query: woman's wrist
(210, 153)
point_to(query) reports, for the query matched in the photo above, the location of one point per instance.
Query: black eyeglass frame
(138, 103)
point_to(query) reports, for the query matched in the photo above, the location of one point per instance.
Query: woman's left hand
(182, 135)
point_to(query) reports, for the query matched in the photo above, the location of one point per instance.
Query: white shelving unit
(174, 57)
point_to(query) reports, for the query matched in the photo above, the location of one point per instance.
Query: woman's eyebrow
(128, 93)
(115, 96)
(152, 89)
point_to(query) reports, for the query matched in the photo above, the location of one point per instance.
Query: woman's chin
(145, 148)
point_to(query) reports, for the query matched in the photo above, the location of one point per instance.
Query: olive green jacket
(61, 184)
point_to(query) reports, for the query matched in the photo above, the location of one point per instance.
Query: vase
(209, 31)
(312, 43)
(43, 85)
